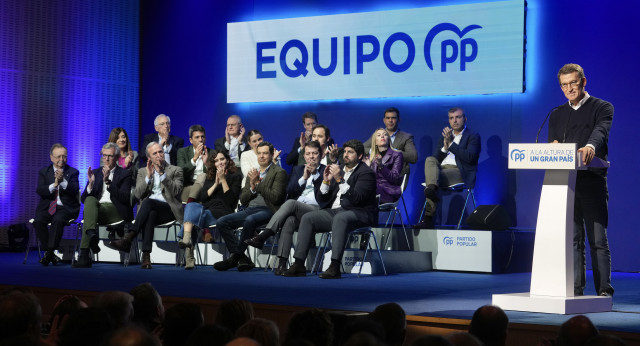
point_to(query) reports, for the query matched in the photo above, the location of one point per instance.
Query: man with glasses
(586, 121)
(106, 200)
(234, 141)
(169, 143)
(58, 190)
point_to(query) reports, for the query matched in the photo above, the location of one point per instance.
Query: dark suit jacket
(272, 188)
(404, 143)
(389, 175)
(360, 198)
(294, 190)
(171, 189)
(219, 145)
(184, 161)
(294, 158)
(68, 196)
(119, 190)
(175, 141)
(467, 154)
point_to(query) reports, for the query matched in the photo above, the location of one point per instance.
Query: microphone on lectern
(545, 120)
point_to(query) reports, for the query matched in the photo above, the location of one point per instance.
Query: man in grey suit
(400, 140)
(158, 187)
(193, 160)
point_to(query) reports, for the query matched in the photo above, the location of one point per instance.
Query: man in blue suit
(58, 188)
(455, 161)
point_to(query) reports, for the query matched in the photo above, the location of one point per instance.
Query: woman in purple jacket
(387, 163)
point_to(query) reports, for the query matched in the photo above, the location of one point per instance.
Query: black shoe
(46, 258)
(255, 242)
(93, 244)
(297, 269)
(578, 293)
(281, 268)
(605, 293)
(227, 264)
(427, 223)
(82, 262)
(146, 260)
(431, 192)
(245, 264)
(333, 272)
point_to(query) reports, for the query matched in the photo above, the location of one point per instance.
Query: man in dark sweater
(586, 121)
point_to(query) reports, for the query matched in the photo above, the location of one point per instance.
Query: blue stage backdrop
(68, 74)
(184, 75)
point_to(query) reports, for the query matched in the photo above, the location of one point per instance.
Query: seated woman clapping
(386, 162)
(214, 195)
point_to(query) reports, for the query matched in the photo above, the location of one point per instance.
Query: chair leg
(464, 209)
(321, 250)
(379, 253)
(424, 208)
(276, 237)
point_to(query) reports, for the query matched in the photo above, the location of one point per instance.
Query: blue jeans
(198, 215)
(250, 219)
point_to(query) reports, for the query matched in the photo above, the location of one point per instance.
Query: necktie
(54, 203)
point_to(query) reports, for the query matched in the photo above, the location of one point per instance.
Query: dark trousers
(151, 213)
(337, 221)
(287, 219)
(250, 219)
(591, 217)
(50, 237)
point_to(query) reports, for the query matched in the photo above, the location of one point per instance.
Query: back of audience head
(210, 334)
(132, 336)
(393, 319)
(362, 332)
(261, 330)
(20, 313)
(179, 322)
(148, 311)
(430, 340)
(313, 325)
(66, 305)
(576, 331)
(118, 304)
(463, 339)
(605, 340)
(489, 324)
(86, 327)
(243, 341)
(234, 313)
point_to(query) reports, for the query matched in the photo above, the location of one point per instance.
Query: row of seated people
(329, 201)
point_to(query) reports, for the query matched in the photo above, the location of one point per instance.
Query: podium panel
(552, 276)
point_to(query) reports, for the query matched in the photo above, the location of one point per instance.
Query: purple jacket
(388, 176)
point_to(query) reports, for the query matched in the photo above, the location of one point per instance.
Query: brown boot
(124, 244)
(146, 260)
(190, 260)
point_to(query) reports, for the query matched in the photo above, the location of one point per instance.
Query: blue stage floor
(435, 294)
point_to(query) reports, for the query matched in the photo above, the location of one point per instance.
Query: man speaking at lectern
(586, 121)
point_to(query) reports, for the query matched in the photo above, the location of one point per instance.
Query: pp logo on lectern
(517, 155)
(447, 241)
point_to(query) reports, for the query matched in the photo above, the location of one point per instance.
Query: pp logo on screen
(517, 155)
(467, 52)
(447, 241)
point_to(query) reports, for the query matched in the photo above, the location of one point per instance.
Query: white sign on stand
(552, 270)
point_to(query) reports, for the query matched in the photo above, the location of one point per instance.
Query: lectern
(552, 269)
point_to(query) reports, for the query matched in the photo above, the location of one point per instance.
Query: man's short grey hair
(237, 117)
(56, 146)
(151, 144)
(155, 121)
(110, 145)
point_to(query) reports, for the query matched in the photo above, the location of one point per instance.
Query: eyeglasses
(232, 125)
(166, 123)
(572, 84)
(60, 157)
(106, 156)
